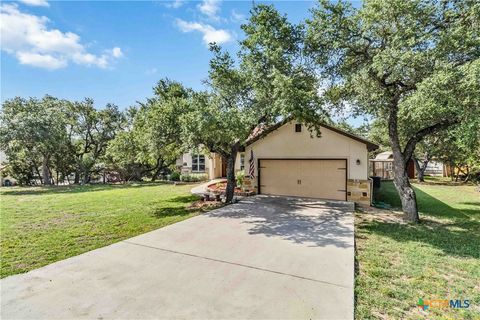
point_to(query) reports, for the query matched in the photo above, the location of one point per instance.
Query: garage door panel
(315, 178)
(278, 177)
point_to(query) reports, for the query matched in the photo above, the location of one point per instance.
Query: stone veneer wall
(359, 191)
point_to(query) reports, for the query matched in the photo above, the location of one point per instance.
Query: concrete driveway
(265, 257)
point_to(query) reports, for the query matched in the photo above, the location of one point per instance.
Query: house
(5, 180)
(210, 165)
(289, 160)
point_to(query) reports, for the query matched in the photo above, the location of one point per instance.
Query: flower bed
(219, 188)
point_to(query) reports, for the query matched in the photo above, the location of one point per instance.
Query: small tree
(412, 64)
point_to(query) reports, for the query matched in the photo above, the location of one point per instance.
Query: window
(198, 162)
(242, 161)
(298, 127)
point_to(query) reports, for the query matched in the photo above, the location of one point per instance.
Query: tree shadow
(434, 207)
(426, 203)
(179, 207)
(170, 212)
(456, 232)
(301, 221)
(460, 239)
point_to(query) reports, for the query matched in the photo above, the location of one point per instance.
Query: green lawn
(398, 263)
(42, 225)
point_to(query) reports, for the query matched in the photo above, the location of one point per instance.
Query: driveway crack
(238, 264)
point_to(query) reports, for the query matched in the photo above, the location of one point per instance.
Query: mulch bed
(219, 188)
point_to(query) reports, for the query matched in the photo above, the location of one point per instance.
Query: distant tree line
(56, 141)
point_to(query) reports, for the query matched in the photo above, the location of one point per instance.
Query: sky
(116, 51)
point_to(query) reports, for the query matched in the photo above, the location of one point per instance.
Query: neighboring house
(436, 168)
(5, 180)
(382, 166)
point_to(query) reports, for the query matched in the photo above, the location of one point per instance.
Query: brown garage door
(315, 178)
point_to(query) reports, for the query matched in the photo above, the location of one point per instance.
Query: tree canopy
(412, 64)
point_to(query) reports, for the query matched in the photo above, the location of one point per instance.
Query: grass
(398, 262)
(42, 225)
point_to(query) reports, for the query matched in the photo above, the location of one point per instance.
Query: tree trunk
(77, 177)
(46, 172)
(405, 190)
(158, 170)
(86, 176)
(400, 179)
(39, 175)
(421, 168)
(231, 182)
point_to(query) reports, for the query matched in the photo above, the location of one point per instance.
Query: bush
(195, 177)
(175, 176)
(240, 176)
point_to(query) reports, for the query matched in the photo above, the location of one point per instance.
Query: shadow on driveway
(299, 220)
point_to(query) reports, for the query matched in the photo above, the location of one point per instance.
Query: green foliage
(240, 177)
(33, 132)
(175, 176)
(150, 145)
(194, 177)
(413, 65)
(268, 82)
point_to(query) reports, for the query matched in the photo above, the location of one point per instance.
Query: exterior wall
(184, 163)
(286, 143)
(435, 168)
(213, 164)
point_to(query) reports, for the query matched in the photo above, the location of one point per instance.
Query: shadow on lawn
(460, 239)
(41, 190)
(178, 210)
(458, 236)
(170, 212)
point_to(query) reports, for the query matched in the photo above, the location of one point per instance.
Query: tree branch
(417, 137)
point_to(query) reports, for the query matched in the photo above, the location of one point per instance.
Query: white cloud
(210, 8)
(29, 39)
(174, 4)
(117, 52)
(41, 60)
(210, 34)
(37, 3)
(237, 16)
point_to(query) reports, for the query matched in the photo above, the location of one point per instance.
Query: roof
(263, 133)
(384, 156)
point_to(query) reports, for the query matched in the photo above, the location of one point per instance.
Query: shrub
(175, 176)
(195, 177)
(240, 176)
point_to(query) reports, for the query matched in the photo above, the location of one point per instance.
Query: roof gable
(370, 145)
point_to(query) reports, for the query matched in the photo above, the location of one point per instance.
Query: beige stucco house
(289, 160)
